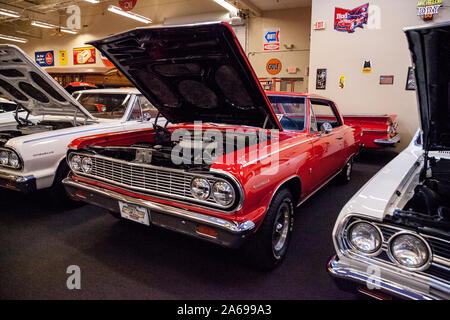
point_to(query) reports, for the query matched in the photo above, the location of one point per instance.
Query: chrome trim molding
(187, 196)
(390, 141)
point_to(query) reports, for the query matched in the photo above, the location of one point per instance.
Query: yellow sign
(63, 58)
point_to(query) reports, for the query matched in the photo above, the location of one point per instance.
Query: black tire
(57, 190)
(269, 245)
(346, 174)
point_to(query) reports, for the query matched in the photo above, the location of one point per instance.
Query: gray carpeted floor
(118, 260)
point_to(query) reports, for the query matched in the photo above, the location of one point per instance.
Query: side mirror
(326, 127)
(146, 116)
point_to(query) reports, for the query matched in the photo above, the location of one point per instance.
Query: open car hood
(192, 73)
(430, 48)
(27, 84)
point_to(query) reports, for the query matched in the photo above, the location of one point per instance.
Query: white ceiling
(280, 4)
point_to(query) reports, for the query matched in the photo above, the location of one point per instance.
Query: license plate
(134, 213)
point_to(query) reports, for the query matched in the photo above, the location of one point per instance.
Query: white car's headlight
(4, 158)
(409, 251)
(9, 158)
(200, 188)
(75, 163)
(86, 164)
(14, 160)
(364, 237)
(223, 193)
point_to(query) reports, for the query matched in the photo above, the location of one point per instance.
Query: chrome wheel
(281, 228)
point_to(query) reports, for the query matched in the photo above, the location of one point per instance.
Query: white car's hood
(375, 197)
(27, 84)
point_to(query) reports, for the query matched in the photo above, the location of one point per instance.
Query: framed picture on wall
(386, 79)
(321, 79)
(410, 80)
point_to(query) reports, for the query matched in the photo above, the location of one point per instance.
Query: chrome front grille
(148, 179)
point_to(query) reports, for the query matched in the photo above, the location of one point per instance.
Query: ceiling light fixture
(9, 13)
(71, 31)
(11, 38)
(233, 10)
(92, 1)
(43, 25)
(129, 14)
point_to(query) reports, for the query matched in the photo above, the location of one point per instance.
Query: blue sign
(44, 58)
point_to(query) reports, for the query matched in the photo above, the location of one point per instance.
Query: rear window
(104, 105)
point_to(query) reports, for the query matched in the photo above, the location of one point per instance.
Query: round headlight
(200, 188)
(409, 251)
(86, 164)
(223, 193)
(75, 162)
(364, 237)
(4, 158)
(13, 160)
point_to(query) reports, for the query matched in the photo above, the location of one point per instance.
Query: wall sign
(427, 9)
(410, 80)
(386, 79)
(367, 68)
(342, 82)
(348, 20)
(84, 55)
(273, 66)
(321, 79)
(319, 25)
(45, 58)
(127, 5)
(63, 58)
(271, 39)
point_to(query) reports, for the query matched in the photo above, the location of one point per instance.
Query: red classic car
(378, 131)
(236, 176)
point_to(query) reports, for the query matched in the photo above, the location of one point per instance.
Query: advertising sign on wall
(427, 9)
(84, 55)
(271, 39)
(45, 58)
(348, 20)
(127, 5)
(321, 79)
(63, 57)
(273, 66)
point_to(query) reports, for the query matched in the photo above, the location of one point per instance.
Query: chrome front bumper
(386, 282)
(18, 183)
(388, 142)
(229, 233)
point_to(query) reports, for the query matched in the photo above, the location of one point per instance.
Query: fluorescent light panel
(92, 1)
(11, 38)
(43, 25)
(9, 13)
(68, 31)
(228, 6)
(129, 14)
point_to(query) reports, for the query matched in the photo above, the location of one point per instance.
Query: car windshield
(291, 111)
(105, 105)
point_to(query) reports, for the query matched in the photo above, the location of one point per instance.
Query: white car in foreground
(32, 152)
(393, 237)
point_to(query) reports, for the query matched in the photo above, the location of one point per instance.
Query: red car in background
(170, 177)
(378, 131)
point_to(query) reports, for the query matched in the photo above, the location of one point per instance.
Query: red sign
(127, 5)
(348, 20)
(49, 58)
(84, 55)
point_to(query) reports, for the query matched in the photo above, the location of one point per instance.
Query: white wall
(342, 53)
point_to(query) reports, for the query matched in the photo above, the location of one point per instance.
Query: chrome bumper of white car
(229, 233)
(15, 182)
(361, 275)
(388, 142)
